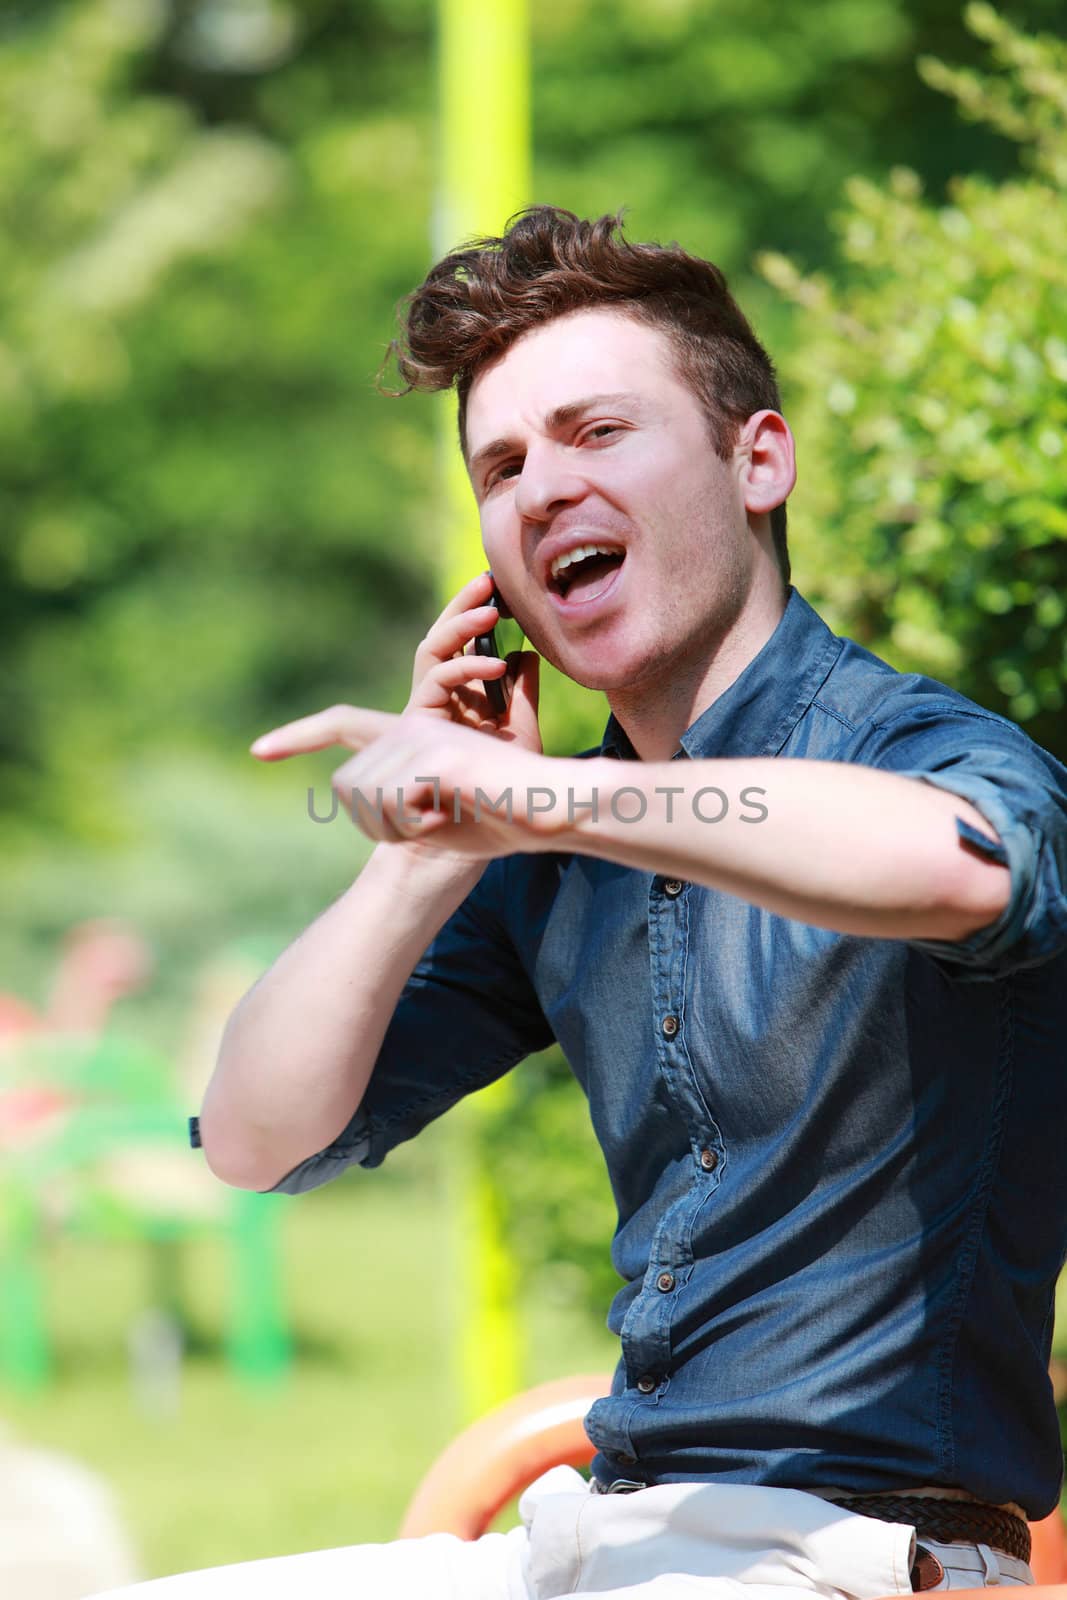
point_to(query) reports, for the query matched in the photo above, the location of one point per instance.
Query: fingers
(354, 726)
(526, 665)
(438, 686)
(409, 776)
(522, 723)
(450, 634)
(474, 593)
(381, 808)
(465, 615)
(378, 757)
(387, 747)
(462, 620)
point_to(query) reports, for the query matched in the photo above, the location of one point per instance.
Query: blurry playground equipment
(493, 1460)
(100, 961)
(93, 1144)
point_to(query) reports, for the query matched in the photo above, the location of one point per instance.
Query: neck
(654, 716)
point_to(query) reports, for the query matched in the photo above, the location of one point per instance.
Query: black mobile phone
(498, 690)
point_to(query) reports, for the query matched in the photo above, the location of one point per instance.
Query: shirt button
(665, 1282)
(673, 886)
(669, 1026)
(709, 1160)
(646, 1383)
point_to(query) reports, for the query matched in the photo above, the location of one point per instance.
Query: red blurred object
(1048, 1558)
(100, 961)
(494, 1459)
(16, 1017)
(24, 1112)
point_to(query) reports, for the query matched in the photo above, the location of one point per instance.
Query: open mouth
(585, 573)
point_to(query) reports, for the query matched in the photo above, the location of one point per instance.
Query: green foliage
(928, 396)
(539, 1148)
(732, 125)
(210, 515)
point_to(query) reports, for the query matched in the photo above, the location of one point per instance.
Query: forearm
(299, 1050)
(840, 846)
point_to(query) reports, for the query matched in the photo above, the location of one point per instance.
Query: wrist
(422, 871)
(568, 806)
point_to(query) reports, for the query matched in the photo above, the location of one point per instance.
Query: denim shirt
(839, 1162)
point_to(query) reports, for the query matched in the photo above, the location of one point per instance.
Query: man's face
(583, 435)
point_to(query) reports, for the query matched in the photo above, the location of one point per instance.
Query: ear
(767, 456)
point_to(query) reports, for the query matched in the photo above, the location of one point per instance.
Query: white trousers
(684, 1541)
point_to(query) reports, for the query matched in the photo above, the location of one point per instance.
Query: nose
(547, 484)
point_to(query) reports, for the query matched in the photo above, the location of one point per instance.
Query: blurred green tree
(929, 399)
(732, 125)
(210, 515)
(101, 195)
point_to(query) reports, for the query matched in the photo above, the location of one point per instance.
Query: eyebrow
(561, 417)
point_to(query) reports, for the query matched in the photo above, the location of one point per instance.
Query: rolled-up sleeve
(1021, 791)
(466, 1015)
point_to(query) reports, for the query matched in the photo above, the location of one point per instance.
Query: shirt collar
(760, 709)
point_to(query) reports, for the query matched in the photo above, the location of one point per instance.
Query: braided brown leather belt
(946, 1520)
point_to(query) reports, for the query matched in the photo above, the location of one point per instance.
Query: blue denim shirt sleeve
(466, 1015)
(1021, 791)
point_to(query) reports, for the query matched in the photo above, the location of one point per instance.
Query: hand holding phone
(453, 678)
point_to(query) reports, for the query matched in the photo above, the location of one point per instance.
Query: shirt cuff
(990, 951)
(351, 1148)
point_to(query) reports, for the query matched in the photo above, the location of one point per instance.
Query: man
(800, 927)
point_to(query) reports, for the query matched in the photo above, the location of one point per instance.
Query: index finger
(474, 593)
(448, 633)
(353, 726)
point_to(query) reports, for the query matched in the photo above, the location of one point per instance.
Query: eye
(499, 473)
(600, 428)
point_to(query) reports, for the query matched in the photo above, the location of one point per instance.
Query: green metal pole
(484, 176)
(24, 1356)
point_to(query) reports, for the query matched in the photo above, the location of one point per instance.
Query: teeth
(561, 563)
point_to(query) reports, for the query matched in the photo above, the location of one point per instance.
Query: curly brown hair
(479, 299)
